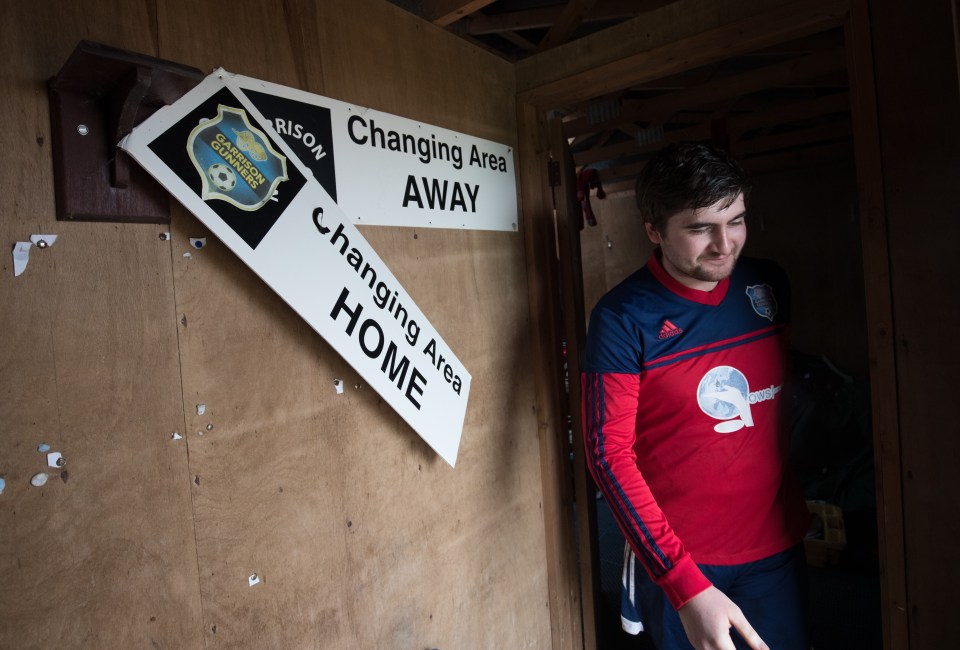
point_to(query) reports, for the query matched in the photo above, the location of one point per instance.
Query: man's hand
(708, 617)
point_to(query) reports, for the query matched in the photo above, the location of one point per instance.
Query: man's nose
(721, 241)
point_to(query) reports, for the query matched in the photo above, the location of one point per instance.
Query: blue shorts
(772, 593)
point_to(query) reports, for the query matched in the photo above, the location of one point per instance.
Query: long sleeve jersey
(685, 422)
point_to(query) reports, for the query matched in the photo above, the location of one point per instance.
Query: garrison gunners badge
(763, 301)
(235, 160)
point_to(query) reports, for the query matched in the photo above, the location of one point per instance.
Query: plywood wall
(360, 535)
(614, 248)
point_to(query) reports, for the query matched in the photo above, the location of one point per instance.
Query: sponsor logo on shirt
(724, 394)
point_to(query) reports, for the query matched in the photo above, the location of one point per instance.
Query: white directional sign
(387, 170)
(222, 159)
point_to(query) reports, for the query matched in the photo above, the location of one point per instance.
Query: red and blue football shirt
(685, 407)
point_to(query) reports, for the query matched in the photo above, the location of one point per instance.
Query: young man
(685, 418)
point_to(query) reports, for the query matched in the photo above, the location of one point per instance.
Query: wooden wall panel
(394, 63)
(469, 284)
(360, 535)
(263, 455)
(261, 40)
(373, 541)
(918, 103)
(264, 477)
(614, 248)
(103, 555)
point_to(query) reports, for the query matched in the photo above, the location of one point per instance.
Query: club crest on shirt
(762, 300)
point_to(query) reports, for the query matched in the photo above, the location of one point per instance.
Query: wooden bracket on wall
(96, 99)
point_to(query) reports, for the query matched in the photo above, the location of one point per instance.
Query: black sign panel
(223, 154)
(307, 130)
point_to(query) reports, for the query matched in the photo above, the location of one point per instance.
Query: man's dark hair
(688, 176)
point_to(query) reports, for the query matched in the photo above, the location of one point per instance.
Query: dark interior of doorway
(785, 113)
(831, 453)
(831, 435)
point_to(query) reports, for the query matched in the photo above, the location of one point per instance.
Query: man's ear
(652, 233)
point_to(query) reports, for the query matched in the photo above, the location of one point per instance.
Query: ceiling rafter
(618, 151)
(444, 12)
(543, 17)
(726, 41)
(566, 23)
(834, 130)
(519, 41)
(737, 125)
(720, 89)
(794, 111)
(812, 155)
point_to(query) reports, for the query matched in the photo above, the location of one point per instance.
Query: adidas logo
(669, 329)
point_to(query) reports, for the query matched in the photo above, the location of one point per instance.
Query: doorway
(785, 111)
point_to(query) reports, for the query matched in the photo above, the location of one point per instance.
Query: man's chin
(714, 271)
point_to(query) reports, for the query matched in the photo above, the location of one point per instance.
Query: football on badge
(222, 177)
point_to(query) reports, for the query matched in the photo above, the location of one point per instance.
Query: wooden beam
(604, 137)
(610, 176)
(722, 89)
(543, 17)
(625, 173)
(545, 326)
(797, 138)
(613, 152)
(736, 125)
(747, 35)
(444, 12)
(566, 23)
(809, 156)
(829, 40)
(796, 111)
(568, 212)
(487, 47)
(881, 336)
(519, 41)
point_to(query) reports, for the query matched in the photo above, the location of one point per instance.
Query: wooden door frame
(552, 257)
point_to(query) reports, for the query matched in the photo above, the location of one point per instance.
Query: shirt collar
(713, 298)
